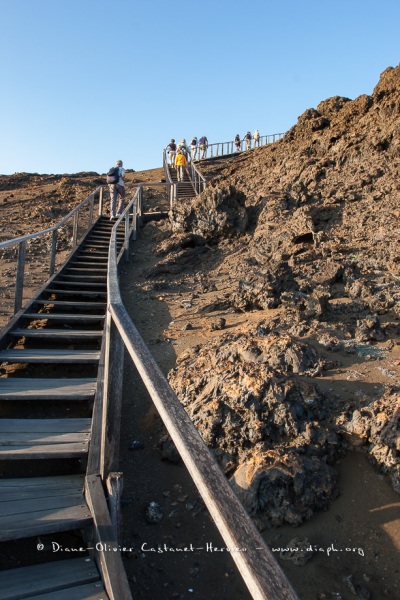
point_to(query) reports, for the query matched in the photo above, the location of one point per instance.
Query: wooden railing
(261, 573)
(73, 222)
(227, 148)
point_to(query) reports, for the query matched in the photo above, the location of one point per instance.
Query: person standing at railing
(237, 142)
(193, 147)
(247, 139)
(117, 190)
(203, 145)
(256, 138)
(180, 163)
(171, 149)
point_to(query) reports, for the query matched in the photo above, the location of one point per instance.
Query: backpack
(113, 175)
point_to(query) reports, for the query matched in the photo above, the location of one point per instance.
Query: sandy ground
(355, 544)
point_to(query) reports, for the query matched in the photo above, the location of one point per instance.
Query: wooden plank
(56, 333)
(59, 282)
(69, 482)
(110, 563)
(85, 263)
(25, 582)
(18, 388)
(31, 451)
(49, 426)
(59, 516)
(113, 379)
(93, 461)
(74, 303)
(27, 506)
(44, 522)
(90, 591)
(49, 356)
(40, 438)
(64, 316)
(81, 269)
(91, 278)
(85, 293)
(39, 487)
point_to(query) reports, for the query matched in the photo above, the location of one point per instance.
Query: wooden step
(49, 356)
(41, 505)
(65, 317)
(90, 591)
(104, 236)
(75, 304)
(44, 438)
(85, 262)
(98, 245)
(85, 268)
(54, 334)
(84, 293)
(73, 579)
(84, 277)
(21, 388)
(58, 282)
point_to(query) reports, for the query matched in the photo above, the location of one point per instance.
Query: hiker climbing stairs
(185, 188)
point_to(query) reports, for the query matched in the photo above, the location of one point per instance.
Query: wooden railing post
(134, 219)
(19, 283)
(75, 230)
(113, 377)
(126, 222)
(53, 252)
(101, 201)
(91, 211)
(140, 206)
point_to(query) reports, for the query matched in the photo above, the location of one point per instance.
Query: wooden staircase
(185, 188)
(50, 357)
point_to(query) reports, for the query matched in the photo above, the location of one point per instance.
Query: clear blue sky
(87, 82)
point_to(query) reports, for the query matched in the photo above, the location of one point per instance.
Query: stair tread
(21, 388)
(49, 356)
(52, 504)
(52, 578)
(55, 333)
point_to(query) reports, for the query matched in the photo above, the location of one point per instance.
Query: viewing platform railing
(227, 148)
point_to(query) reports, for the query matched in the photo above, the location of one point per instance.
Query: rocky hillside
(296, 244)
(308, 231)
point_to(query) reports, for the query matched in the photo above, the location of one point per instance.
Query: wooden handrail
(21, 242)
(259, 569)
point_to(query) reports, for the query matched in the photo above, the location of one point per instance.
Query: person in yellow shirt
(181, 164)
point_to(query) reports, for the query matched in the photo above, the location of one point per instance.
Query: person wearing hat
(171, 149)
(193, 147)
(183, 148)
(117, 190)
(181, 164)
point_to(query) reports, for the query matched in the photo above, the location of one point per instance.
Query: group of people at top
(180, 154)
(247, 139)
